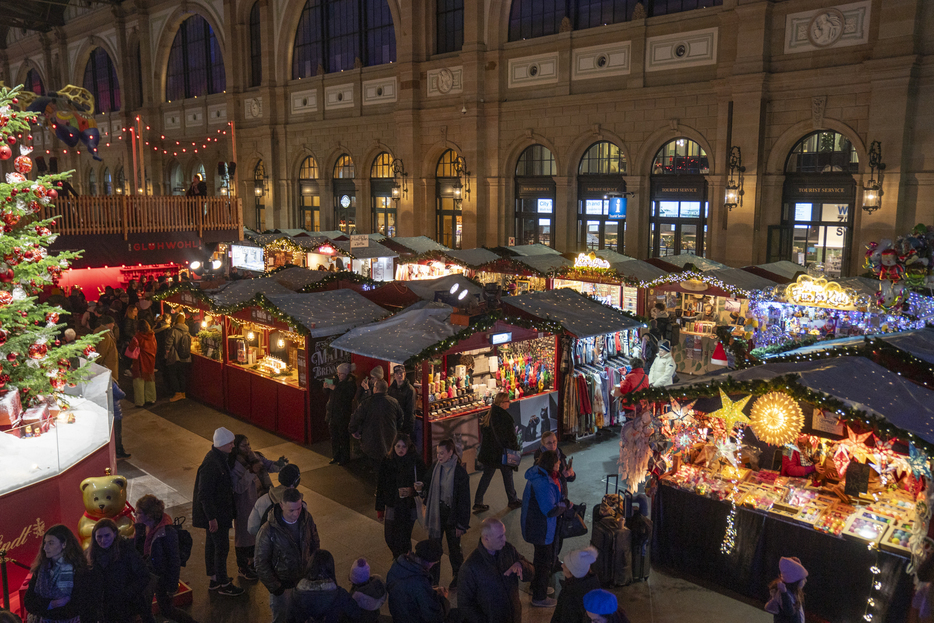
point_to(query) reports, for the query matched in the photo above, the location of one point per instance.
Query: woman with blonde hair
(497, 432)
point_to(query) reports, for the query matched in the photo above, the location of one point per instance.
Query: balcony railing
(121, 214)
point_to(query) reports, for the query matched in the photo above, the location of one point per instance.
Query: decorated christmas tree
(33, 361)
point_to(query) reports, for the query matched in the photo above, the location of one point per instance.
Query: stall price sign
(188, 298)
(359, 241)
(261, 316)
(302, 365)
(826, 422)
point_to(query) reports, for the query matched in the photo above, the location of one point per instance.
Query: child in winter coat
(367, 590)
(787, 602)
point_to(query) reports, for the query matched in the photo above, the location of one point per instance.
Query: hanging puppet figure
(69, 113)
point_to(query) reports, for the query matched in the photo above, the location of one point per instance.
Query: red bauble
(11, 140)
(5, 152)
(52, 194)
(3, 336)
(11, 356)
(7, 277)
(23, 164)
(38, 351)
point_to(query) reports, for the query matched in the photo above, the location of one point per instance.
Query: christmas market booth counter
(698, 303)
(597, 343)
(457, 370)
(45, 453)
(824, 460)
(436, 263)
(609, 277)
(522, 273)
(813, 306)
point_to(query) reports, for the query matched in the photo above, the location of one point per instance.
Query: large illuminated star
(918, 462)
(856, 445)
(731, 412)
(728, 450)
(680, 411)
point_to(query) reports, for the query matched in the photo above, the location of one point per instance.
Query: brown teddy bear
(104, 496)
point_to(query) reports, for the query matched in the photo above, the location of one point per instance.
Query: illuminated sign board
(818, 292)
(589, 260)
(500, 338)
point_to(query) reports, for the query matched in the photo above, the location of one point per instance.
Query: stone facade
(759, 74)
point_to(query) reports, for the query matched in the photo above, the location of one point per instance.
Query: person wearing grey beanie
(578, 581)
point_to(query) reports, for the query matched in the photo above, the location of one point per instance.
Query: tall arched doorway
(678, 223)
(818, 199)
(309, 196)
(601, 205)
(345, 195)
(535, 196)
(381, 183)
(448, 200)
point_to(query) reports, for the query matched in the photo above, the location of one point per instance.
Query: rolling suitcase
(641, 529)
(613, 541)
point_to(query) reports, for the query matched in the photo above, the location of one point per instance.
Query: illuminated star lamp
(777, 418)
(918, 462)
(731, 412)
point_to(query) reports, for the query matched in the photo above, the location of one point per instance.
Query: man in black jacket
(375, 423)
(338, 412)
(489, 578)
(212, 508)
(404, 393)
(284, 545)
(411, 596)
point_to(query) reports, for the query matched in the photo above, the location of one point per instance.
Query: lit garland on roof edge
(344, 275)
(480, 325)
(707, 278)
(787, 384)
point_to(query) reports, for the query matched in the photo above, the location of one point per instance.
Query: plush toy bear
(104, 496)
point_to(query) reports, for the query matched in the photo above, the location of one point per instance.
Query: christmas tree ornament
(37, 351)
(12, 356)
(23, 164)
(776, 418)
(5, 152)
(11, 140)
(731, 412)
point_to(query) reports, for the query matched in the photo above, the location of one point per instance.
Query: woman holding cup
(395, 494)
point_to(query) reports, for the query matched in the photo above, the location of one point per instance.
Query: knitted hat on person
(377, 372)
(579, 560)
(792, 570)
(665, 346)
(599, 601)
(222, 437)
(429, 551)
(344, 368)
(360, 572)
(289, 475)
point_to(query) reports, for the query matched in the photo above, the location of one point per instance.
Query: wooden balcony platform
(137, 214)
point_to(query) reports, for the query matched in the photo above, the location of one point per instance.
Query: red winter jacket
(635, 381)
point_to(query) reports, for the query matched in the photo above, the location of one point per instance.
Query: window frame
(185, 55)
(309, 203)
(256, 47)
(449, 26)
(446, 208)
(100, 69)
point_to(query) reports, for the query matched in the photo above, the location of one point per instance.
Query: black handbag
(572, 522)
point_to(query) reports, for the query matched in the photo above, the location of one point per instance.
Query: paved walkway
(169, 441)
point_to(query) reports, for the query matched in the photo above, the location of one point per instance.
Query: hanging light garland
(776, 418)
(876, 585)
(729, 538)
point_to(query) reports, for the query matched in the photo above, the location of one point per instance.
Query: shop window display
(265, 350)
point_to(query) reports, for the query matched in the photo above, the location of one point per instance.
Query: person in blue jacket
(542, 502)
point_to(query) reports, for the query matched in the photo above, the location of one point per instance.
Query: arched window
(678, 223)
(176, 181)
(601, 206)
(100, 79)
(449, 193)
(256, 52)
(381, 183)
(345, 194)
(535, 196)
(33, 82)
(537, 18)
(309, 207)
(196, 66)
(259, 194)
(449, 24)
(121, 188)
(334, 33)
(108, 182)
(818, 201)
(823, 152)
(92, 182)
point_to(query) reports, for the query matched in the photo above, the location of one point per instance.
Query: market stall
(825, 460)
(700, 303)
(374, 260)
(434, 263)
(458, 370)
(412, 246)
(42, 464)
(609, 277)
(813, 306)
(685, 261)
(597, 344)
(522, 273)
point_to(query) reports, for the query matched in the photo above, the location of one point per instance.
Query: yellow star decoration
(731, 412)
(856, 445)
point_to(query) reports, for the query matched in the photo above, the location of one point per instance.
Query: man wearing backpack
(289, 478)
(178, 357)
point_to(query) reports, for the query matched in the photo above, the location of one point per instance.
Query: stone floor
(169, 441)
